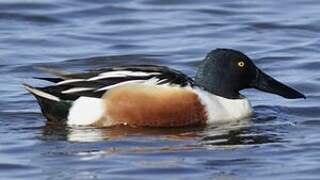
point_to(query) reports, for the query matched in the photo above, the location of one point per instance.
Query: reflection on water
(238, 136)
(91, 134)
(164, 151)
(227, 134)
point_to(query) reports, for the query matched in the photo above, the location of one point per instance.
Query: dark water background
(281, 140)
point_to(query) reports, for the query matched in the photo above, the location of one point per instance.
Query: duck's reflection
(91, 134)
(237, 137)
(231, 134)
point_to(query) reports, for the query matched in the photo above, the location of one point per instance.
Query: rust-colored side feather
(152, 106)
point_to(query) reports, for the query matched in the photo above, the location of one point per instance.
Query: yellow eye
(241, 64)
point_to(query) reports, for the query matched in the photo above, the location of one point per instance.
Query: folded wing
(95, 83)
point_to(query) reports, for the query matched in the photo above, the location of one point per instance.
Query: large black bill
(266, 83)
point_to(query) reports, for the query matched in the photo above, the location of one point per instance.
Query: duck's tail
(39, 94)
(53, 108)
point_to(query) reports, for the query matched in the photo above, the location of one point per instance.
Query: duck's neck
(221, 90)
(212, 82)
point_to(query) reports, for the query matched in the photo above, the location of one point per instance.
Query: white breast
(223, 109)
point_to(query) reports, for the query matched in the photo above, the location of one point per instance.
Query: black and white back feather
(94, 83)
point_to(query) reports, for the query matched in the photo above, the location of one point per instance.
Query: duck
(145, 95)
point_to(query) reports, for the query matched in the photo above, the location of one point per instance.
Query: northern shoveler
(157, 96)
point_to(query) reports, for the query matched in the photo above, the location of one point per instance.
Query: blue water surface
(280, 141)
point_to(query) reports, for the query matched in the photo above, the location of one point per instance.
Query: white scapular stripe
(152, 81)
(119, 84)
(155, 81)
(114, 74)
(41, 93)
(223, 109)
(69, 81)
(77, 89)
(85, 111)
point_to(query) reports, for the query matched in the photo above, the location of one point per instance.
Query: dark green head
(225, 72)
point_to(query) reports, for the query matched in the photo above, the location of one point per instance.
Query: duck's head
(224, 72)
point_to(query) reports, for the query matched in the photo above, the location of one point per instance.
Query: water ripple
(281, 139)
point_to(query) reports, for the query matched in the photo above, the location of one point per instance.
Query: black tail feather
(52, 107)
(54, 80)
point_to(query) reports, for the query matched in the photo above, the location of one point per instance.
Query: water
(281, 140)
